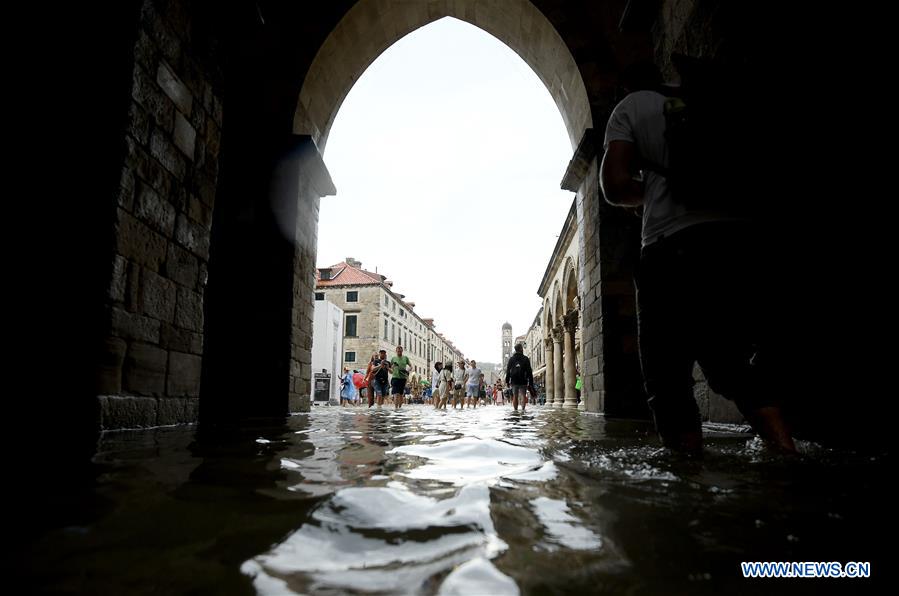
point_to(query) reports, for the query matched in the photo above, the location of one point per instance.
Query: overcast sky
(447, 155)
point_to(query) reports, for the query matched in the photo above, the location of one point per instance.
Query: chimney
(353, 263)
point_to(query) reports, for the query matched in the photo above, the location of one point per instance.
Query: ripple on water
(470, 459)
(382, 539)
(562, 528)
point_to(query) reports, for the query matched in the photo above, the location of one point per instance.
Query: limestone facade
(378, 318)
(561, 319)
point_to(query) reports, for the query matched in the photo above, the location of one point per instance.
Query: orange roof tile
(343, 274)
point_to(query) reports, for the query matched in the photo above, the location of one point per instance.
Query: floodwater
(486, 501)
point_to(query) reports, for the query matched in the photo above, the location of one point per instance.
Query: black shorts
(397, 385)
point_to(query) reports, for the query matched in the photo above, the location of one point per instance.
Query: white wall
(327, 345)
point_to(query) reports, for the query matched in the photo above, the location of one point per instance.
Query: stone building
(560, 328)
(492, 372)
(534, 347)
(376, 317)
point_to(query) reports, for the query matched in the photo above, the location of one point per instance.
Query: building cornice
(558, 256)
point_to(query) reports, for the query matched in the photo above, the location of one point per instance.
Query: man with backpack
(519, 377)
(697, 296)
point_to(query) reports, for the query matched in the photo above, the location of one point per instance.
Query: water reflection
(346, 500)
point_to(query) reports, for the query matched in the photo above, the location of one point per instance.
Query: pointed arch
(372, 26)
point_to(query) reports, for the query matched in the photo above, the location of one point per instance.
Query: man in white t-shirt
(459, 385)
(435, 383)
(697, 299)
(473, 378)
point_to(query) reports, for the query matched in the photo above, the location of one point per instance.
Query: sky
(447, 155)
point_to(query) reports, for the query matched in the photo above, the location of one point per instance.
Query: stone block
(200, 212)
(155, 210)
(138, 243)
(184, 375)
(139, 123)
(178, 410)
(151, 171)
(145, 369)
(192, 236)
(134, 326)
(167, 154)
(109, 374)
(145, 51)
(132, 288)
(198, 120)
(119, 279)
(157, 297)
(181, 266)
(174, 88)
(145, 92)
(125, 198)
(118, 412)
(185, 136)
(189, 310)
(180, 340)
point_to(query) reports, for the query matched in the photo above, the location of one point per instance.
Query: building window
(385, 330)
(386, 301)
(351, 325)
(319, 295)
(352, 296)
(392, 333)
(349, 357)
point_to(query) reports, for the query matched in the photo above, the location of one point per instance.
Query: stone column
(558, 385)
(550, 377)
(570, 323)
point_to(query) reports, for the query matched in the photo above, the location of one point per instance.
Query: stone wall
(150, 370)
(314, 183)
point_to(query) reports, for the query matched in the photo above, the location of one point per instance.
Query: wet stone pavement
(486, 501)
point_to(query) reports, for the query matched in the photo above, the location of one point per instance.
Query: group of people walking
(383, 379)
(463, 385)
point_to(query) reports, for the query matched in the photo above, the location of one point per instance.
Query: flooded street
(351, 500)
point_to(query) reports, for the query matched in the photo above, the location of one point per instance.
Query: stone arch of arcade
(563, 339)
(221, 115)
(356, 40)
(371, 26)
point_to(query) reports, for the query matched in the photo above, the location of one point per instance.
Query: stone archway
(215, 223)
(371, 26)
(197, 107)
